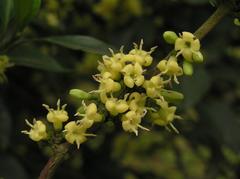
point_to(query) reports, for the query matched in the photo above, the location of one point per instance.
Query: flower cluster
(128, 91)
(186, 47)
(73, 132)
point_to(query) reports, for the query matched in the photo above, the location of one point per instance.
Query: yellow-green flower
(165, 115)
(139, 55)
(137, 102)
(153, 86)
(133, 75)
(75, 133)
(170, 67)
(91, 115)
(188, 46)
(113, 65)
(107, 84)
(131, 122)
(58, 116)
(38, 130)
(116, 106)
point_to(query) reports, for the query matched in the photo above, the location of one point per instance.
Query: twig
(222, 10)
(50, 167)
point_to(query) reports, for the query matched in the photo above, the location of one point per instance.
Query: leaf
(78, 42)
(5, 13)
(194, 87)
(22, 9)
(10, 168)
(32, 57)
(35, 8)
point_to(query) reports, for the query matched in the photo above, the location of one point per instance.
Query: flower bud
(187, 68)
(129, 82)
(170, 37)
(236, 22)
(171, 96)
(122, 107)
(162, 65)
(80, 94)
(197, 57)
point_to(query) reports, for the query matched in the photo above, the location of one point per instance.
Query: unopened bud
(170, 37)
(187, 68)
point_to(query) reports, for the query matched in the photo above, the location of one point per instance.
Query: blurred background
(208, 145)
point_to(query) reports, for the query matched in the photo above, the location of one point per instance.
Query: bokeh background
(208, 145)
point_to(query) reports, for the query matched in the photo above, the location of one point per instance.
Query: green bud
(170, 37)
(236, 22)
(187, 68)
(197, 57)
(172, 96)
(81, 94)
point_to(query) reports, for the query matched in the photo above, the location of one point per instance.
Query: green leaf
(32, 57)
(35, 8)
(78, 42)
(22, 9)
(5, 13)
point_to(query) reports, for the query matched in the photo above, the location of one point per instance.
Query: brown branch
(58, 156)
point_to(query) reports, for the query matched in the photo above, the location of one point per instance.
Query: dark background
(208, 145)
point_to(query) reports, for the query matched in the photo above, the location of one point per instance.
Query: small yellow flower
(113, 65)
(141, 56)
(165, 115)
(137, 102)
(75, 132)
(58, 116)
(170, 67)
(153, 86)
(107, 84)
(91, 115)
(133, 75)
(115, 106)
(38, 130)
(131, 122)
(188, 46)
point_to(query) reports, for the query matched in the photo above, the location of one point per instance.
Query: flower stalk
(58, 156)
(222, 10)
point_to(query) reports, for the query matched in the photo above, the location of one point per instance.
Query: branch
(222, 10)
(50, 167)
